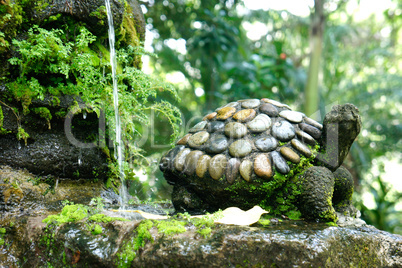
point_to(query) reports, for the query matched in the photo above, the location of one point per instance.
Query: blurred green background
(310, 55)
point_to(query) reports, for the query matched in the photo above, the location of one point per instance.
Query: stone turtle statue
(260, 152)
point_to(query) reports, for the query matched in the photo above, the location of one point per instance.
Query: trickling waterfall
(118, 146)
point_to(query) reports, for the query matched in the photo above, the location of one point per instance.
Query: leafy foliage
(80, 67)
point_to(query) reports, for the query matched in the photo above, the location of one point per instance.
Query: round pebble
(232, 170)
(240, 148)
(283, 130)
(266, 144)
(202, 165)
(276, 103)
(262, 166)
(280, 163)
(290, 155)
(244, 115)
(261, 123)
(210, 116)
(180, 159)
(299, 146)
(216, 126)
(250, 103)
(198, 127)
(294, 117)
(305, 137)
(312, 122)
(230, 104)
(309, 129)
(184, 140)
(167, 160)
(225, 113)
(198, 139)
(190, 164)
(217, 166)
(246, 170)
(235, 130)
(269, 109)
(216, 144)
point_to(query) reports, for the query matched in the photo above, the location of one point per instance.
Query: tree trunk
(316, 41)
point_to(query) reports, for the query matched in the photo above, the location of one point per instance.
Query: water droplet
(79, 161)
(84, 115)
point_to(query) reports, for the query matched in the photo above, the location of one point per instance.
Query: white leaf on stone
(231, 215)
(236, 216)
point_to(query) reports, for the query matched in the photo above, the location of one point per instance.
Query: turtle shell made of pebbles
(244, 139)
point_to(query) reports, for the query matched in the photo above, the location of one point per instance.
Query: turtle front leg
(315, 202)
(343, 192)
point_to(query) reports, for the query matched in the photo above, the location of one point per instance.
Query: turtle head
(341, 127)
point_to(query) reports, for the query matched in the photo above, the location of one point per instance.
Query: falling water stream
(118, 147)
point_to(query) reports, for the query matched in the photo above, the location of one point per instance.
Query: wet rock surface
(59, 151)
(282, 243)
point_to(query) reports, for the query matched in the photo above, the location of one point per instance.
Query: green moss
(280, 193)
(44, 113)
(264, 222)
(1, 241)
(100, 14)
(96, 229)
(205, 232)
(22, 135)
(171, 227)
(142, 236)
(331, 224)
(2, 230)
(294, 215)
(105, 219)
(70, 213)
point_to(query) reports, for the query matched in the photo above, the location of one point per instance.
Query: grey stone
(235, 130)
(276, 103)
(292, 116)
(232, 170)
(304, 137)
(250, 103)
(312, 122)
(280, 163)
(283, 130)
(266, 144)
(215, 126)
(198, 127)
(260, 123)
(216, 144)
(269, 109)
(240, 148)
(167, 160)
(312, 131)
